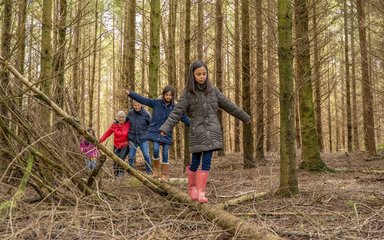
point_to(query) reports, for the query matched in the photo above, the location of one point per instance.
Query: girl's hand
(163, 133)
(127, 91)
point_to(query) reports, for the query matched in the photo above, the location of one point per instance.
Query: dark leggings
(204, 157)
(122, 153)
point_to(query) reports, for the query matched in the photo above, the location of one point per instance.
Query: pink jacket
(88, 149)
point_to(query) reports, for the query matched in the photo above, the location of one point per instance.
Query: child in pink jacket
(89, 151)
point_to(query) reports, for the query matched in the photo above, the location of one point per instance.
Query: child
(139, 119)
(90, 152)
(161, 110)
(201, 102)
(120, 130)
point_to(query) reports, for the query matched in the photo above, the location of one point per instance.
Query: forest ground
(341, 205)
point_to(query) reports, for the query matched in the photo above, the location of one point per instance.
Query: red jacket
(120, 132)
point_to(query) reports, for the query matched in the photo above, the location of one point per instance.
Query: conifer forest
(192, 119)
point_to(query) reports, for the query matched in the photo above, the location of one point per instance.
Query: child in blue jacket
(139, 120)
(161, 110)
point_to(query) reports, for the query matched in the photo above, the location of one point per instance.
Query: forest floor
(341, 205)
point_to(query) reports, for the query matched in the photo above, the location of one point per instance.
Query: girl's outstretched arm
(143, 100)
(176, 114)
(230, 107)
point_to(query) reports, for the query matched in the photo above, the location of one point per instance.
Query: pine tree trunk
(248, 148)
(187, 61)
(271, 68)
(310, 147)
(317, 78)
(21, 34)
(128, 72)
(59, 64)
(369, 126)
(200, 29)
(259, 84)
(347, 79)
(355, 125)
(237, 74)
(6, 54)
(91, 87)
(288, 179)
(76, 57)
(154, 51)
(46, 58)
(218, 62)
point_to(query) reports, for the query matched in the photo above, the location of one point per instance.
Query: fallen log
(225, 220)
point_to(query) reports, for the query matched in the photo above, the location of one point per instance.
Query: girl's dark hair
(169, 89)
(191, 83)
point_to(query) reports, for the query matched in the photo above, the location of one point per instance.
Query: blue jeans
(90, 165)
(164, 154)
(205, 157)
(121, 153)
(144, 147)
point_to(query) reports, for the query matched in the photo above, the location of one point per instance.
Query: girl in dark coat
(161, 110)
(201, 102)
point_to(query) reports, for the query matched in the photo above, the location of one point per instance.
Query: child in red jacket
(120, 140)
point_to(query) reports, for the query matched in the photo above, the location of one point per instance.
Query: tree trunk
(154, 52)
(288, 179)
(218, 62)
(128, 71)
(187, 61)
(76, 57)
(248, 160)
(237, 73)
(317, 79)
(347, 79)
(200, 29)
(369, 126)
(46, 58)
(355, 125)
(59, 64)
(271, 68)
(172, 74)
(310, 147)
(91, 87)
(21, 34)
(259, 84)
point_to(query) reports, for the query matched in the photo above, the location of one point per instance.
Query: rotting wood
(230, 223)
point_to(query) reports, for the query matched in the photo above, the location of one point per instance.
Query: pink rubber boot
(201, 183)
(192, 190)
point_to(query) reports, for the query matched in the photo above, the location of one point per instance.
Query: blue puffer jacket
(160, 114)
(139, 125)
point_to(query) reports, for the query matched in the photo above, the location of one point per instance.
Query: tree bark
(288, 179)
(347, 79)
(46, 58)
(154, 51)
(317, 78)
(237, 74)
(200, 29)
(369, 126)
(218, 62)
(21, 33)
(248, 148)
(259, 84)
(187, 62)
(311, 159)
